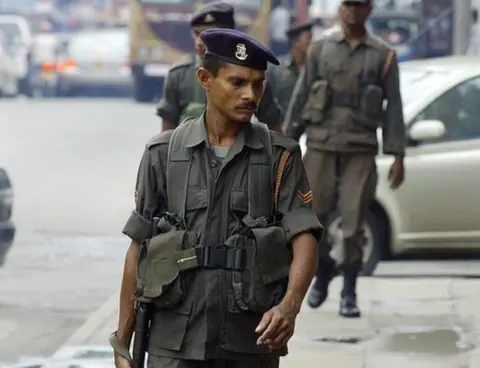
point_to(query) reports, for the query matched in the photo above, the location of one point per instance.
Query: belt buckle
(215, 257)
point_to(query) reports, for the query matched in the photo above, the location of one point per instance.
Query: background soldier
(183, 96)
(284, 77)
(210, 328)
(348, 76)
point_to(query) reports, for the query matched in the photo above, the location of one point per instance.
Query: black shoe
(319, 292)
(349, 308)
(348, 302)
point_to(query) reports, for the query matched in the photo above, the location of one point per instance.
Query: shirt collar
(339, 37)
(246, 136)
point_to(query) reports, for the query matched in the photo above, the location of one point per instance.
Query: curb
(94, 323)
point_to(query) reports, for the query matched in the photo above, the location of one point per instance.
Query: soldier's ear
(205, 78)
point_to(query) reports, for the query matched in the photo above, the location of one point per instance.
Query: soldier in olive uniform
(183, 96)
(209, 328)
(284, 77)
(349, 77)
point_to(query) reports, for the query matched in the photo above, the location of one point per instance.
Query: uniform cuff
(301, 220)
(138, 228)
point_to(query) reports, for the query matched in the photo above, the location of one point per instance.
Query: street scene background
(72, 163)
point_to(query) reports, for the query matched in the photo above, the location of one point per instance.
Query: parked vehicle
(437, 208)
(7, 228)
(8, 75)
(95, 60)
(19, 42)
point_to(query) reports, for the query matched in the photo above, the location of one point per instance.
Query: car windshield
(414, 83)
(11, 31)
(89, 45)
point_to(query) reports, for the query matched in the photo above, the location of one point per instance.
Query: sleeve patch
(305, 197)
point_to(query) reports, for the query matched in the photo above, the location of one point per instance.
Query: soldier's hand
(121, 362)
(396, 175)
(277, 326)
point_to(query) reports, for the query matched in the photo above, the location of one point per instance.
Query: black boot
(348, 302)
(325, 273)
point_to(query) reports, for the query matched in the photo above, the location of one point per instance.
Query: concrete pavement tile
(331, 327)
(416, 307)
(6, 328)
(411, 289)
(465, 288)
(383, 360)
(322, 359)
(468, 308)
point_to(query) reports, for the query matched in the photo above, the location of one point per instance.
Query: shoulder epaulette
(161, 138)
(183, 63)
(280, 140)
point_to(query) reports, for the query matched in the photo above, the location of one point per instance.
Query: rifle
(142, 323)
(288, 126)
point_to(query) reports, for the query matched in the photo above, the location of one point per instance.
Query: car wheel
(376, 240)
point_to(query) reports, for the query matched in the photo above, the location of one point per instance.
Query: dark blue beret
(217, 13)
(238, 48)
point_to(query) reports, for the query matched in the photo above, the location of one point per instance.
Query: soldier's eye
(238, 82)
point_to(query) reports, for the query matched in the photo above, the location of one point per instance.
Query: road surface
(73, 166)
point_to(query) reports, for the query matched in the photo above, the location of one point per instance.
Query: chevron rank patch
(135, 195)
(305, 197)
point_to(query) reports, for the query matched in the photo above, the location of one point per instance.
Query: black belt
(344, 99)
(221, 257)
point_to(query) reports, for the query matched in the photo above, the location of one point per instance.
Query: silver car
(95, 60)
(438, 206)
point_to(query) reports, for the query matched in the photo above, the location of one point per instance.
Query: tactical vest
(260, 267)
(258, 256)
(365, 104)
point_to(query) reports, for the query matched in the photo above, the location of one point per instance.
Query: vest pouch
(263, 283)
(158, 278)
(369, 114)
(317, 103)
(192, 110)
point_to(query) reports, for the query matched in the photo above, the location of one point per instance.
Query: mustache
(248, 106)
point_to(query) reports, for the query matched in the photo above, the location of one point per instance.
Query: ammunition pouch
(317, 103)
(368, 115)
(262, 283)
(160, 262)
(192, 110)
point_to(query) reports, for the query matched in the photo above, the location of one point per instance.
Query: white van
(19, 44)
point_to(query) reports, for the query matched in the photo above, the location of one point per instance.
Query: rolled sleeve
(295, 201)
(169, 108)
(149, 199)
(270, 112)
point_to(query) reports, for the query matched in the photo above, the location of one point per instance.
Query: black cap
(296, 29)
(214, 14)
(238, 48)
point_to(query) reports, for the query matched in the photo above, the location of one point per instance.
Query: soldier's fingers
(267, 317)
(281, 339)
(269, 333)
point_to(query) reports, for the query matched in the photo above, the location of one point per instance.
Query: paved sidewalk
(414, 322)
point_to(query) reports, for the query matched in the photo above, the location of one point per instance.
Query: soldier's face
(200, 48)
(303, 41)
(235, 92)
(353, 13)
(199, 45)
